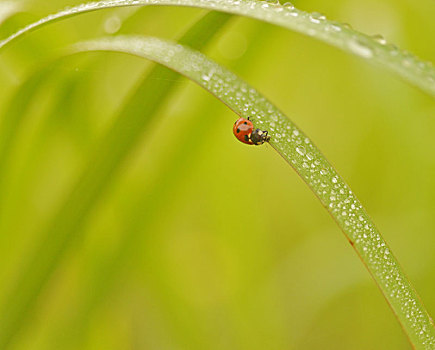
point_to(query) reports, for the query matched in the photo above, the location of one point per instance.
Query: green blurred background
(227, 248)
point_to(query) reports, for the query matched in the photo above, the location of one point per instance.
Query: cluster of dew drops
(294, 146)
(360, 44)
(318, 25)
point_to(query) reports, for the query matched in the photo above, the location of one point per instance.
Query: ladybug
(244, 131)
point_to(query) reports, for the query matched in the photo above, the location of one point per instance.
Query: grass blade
(108, 158)
(299, 151)
(373, 49)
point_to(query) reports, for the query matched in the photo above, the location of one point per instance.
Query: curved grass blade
(299, 151)
(373, 49)
(104, 164)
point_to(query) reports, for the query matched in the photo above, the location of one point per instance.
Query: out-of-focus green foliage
(219, 267)
(105, 162)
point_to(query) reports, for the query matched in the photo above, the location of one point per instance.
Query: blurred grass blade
(14, 116)
(108, 158)
(373, 49)
(16, 110)
(298, 150)
(10, 121)
(102, 279)
(8, 9)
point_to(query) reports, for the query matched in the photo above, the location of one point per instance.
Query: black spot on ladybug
(238, 130)
(246, 138)
(245, 123)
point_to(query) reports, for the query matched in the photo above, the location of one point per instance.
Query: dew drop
(335, 27)
(379, 39)
(289, 6)
(300, 150)
(206, 77)
(406, 62)
(360, 48)
(316, 17)
(319, 15)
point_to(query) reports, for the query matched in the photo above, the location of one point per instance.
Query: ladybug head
(258, 137)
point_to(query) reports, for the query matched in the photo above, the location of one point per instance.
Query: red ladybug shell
(242, 129)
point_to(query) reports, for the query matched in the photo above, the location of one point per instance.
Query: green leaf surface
(300, 152)
(373, 49)
(104, 164)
